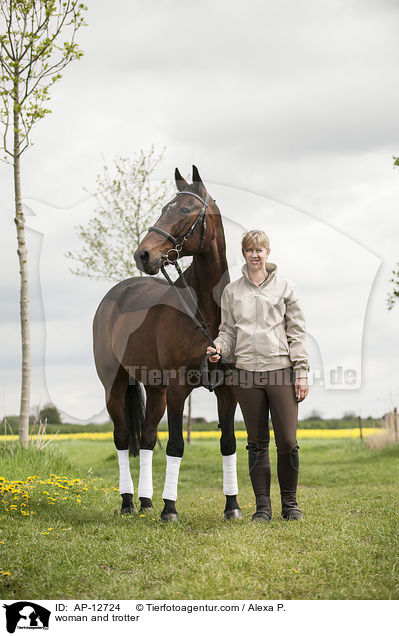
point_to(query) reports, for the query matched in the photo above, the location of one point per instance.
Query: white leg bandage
(145, 480)
(230, 486)
(172, 477)
(125, 478)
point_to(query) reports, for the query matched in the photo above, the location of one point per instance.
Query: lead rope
(178, 245)
(204, 371)
(201, 324)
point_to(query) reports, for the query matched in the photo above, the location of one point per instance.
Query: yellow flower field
(303, 433)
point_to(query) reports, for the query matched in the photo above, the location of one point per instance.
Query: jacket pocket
(281, 339)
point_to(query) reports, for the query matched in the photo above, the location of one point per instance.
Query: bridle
(178, 246)
(179, 242)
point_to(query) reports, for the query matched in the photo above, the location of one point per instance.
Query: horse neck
(208, 275)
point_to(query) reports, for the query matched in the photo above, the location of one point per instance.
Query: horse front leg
(176, 396)
(155, 408)
(227, 403)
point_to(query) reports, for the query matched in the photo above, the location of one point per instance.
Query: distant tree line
(54, 423)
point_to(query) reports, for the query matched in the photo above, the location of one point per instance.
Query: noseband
(179, 242)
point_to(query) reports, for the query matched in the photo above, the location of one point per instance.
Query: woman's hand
(301, 389)
(216, 351)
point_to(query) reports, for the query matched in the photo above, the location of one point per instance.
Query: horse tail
(135, 413)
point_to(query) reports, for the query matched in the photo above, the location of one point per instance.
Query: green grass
(345, 548)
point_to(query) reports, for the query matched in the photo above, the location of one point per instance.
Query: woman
(263, 328)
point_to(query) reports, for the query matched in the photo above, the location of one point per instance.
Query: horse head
(184, 228)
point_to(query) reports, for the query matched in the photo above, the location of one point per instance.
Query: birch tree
(128, 200)
(37, 41)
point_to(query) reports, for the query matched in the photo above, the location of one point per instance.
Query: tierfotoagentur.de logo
(26, 615)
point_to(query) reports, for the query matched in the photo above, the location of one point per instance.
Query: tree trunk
(24, 289)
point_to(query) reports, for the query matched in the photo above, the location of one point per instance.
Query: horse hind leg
(118, 399)
(155, 408)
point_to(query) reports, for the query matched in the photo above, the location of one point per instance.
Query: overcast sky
(290, 112)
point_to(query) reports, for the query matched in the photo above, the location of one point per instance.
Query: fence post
(360, 428)
(189, 420)
(395, 422)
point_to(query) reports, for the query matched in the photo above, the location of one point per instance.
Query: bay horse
(145, 337)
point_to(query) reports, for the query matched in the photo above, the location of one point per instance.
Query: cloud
(294, 100)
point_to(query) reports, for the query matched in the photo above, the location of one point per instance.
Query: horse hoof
(128, 510)
(146, 504)
(169, 516)
(235, 513)
(128, 507)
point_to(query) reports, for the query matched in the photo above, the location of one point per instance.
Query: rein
(201, 324)
(178, 246)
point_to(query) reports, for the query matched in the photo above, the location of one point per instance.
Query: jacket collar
(271, 269)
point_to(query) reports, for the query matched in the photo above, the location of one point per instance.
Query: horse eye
(185, 210)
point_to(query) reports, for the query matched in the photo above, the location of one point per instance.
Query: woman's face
(256, 257)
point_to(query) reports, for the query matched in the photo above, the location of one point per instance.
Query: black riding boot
(287, 471)
(259, 472)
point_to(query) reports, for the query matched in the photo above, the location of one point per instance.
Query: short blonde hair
(257, 238)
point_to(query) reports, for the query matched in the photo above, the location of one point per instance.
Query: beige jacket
(263, 328)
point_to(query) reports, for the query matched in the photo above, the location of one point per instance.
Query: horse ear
(196, 175)
(181, 183)
(197, 181)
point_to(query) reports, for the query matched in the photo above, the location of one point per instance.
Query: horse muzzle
(147, 264)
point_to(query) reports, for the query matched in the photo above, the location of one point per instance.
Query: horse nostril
(144, 257)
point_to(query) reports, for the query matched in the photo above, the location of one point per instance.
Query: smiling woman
(263, 327)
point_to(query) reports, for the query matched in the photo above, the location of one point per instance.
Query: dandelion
(5, 573)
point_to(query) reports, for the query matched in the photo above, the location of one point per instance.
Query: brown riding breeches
(259, 392)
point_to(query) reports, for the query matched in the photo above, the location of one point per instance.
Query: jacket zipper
(256, 327)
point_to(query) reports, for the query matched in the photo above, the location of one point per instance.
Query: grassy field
(61, 535)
